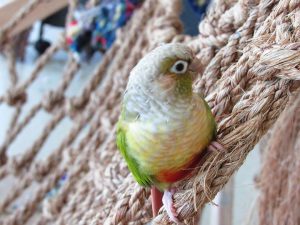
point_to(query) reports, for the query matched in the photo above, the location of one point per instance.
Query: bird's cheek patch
(167, 81)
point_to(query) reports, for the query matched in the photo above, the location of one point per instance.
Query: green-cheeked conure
(164, 127)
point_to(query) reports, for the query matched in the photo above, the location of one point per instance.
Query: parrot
(164, 126)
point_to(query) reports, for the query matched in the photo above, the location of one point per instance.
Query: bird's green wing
(212, 119)
(210, 115)
(142, 178)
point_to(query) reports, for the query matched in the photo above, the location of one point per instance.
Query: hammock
(250, 57)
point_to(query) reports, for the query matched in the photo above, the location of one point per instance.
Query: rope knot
(74, 105)
(52, 100)
(3, 157)
(2, 37)
(16, 96)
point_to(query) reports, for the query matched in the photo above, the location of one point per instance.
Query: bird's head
(169, 68)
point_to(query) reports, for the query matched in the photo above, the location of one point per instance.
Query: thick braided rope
(120, 217)
(279, 177)
(250, 117)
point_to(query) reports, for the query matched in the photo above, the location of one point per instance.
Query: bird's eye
(179, 67)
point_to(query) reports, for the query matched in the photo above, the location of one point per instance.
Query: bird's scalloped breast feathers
(133, 166)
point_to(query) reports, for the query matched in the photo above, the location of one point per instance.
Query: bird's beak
(196, 65)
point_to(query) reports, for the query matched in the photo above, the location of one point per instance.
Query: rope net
(250, 58)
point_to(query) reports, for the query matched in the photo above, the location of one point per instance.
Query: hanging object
(41, 44)
(94, 29)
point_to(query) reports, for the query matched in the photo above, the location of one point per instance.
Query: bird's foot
(216, 147)
(169, 205)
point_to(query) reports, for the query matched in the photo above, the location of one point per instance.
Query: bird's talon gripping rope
(169, 205)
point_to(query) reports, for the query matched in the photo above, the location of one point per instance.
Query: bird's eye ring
(179, 67)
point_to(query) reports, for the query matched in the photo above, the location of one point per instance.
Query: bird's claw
(169, 205)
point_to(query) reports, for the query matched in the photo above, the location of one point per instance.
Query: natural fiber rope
(38, 170)
(20, 15)
(278, 181)
(250, 57)
(273, 116)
